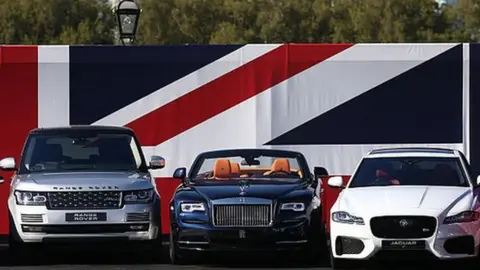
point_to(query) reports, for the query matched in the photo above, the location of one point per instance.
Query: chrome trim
(292, 242)
(193, 243)
(31, 218)
(242, 201)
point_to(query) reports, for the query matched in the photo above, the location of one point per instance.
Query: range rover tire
(17, 249)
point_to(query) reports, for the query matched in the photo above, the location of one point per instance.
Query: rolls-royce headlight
(30, 197)
(192, 207)
(294, 206)
(139, 196)
(344, 217)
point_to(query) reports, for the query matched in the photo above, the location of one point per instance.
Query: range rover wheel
(17, 249)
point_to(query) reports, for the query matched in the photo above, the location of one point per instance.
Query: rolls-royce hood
(266, 191)
(76, 181)
(395, 199)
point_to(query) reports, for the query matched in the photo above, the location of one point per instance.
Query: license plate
(403, 244)
(85, 217)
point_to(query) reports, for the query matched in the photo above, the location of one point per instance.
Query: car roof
(73, 128)
(412, 152)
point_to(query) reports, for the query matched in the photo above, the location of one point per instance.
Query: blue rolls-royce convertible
(245, 200)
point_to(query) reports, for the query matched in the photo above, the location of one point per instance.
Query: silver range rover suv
(83, 183)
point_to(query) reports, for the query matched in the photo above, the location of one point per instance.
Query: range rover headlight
(293, 206)
(30, 197)
(138, 196)
(192, 207)
(344, 217)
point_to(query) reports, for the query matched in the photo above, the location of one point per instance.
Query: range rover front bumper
(35, 224)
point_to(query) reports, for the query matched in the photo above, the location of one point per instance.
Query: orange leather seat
(235, 168)
(279, 166)
(222, 169)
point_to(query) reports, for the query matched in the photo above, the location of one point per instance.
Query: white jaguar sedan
(406, 201)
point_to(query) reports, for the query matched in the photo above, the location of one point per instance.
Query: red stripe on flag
(229, 90)
(19, 105)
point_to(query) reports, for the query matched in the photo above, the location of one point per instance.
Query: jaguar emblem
(403, 223)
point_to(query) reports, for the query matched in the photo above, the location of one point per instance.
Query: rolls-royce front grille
(84, 200)
(403, 226)
(242, 215)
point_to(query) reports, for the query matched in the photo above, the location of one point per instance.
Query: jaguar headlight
(139, 196)
(463, 217)
(344, 217)
(192, 207)
(30, 197)
(293, 206)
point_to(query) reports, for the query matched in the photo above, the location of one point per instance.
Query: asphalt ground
(106, 258)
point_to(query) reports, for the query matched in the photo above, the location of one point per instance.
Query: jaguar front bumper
(450, 241)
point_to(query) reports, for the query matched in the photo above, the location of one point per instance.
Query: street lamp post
(127, 13)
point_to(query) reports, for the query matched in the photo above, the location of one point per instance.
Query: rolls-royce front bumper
(202, 237)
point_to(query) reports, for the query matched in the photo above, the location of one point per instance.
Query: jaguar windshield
(87, 150)
(404, 171)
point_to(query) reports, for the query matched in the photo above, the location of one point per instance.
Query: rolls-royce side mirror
(181, 173)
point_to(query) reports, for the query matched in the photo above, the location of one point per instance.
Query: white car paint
(435, 201)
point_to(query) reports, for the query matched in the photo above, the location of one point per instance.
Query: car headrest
(222, 168)
(281, 164)
(235, 168)
(380, 173)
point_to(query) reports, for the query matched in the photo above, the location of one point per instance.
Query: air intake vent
(135, 217)
(31, 218)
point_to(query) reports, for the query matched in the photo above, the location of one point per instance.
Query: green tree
(55, 22)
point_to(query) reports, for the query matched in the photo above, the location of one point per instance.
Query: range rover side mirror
(336, 182)
(8, 164)
(180, 173)
(156, 162)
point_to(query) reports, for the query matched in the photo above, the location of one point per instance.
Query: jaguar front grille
(403, 227)
(78, 200)
(242, 215)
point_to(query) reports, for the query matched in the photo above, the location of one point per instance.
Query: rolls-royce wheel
(176, 256)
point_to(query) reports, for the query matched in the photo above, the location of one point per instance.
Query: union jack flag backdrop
(331, 102)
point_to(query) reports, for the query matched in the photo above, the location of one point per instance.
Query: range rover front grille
(242, 215)
(403, 226)
(84, 200)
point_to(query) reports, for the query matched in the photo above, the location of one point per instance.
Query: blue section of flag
(106, 79)
(422, 105)
(474, 94)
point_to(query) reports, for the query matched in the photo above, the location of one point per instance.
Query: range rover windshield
(405, 171)
(86, 150)
(258, 167)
